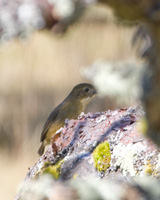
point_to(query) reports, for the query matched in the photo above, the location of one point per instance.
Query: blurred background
(39, 68)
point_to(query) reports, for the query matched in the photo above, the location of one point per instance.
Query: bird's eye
(86, 89)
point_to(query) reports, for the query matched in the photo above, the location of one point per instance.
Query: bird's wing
(50, 121)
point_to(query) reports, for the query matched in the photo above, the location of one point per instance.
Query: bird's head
(83, 93)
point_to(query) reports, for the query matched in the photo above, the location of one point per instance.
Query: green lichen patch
(142, 126)
(54, 170)
(102, 156)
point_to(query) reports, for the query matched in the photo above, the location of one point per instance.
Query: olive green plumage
(70, 108)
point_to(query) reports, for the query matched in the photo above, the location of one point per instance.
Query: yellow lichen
(150, 169)
(143, 126)
(74, 176)
(102, 156)
(54, 170)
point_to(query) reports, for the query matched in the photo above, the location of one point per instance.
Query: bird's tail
(41, 149)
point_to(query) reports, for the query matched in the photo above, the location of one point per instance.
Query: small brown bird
(70, 108)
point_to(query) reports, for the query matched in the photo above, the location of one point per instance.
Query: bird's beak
(94, 92)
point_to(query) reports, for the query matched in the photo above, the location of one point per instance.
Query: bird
(70, 108)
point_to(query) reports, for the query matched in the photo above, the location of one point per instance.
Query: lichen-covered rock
(107, 145)
(131, 153)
